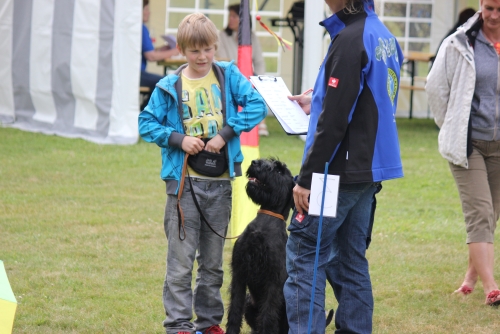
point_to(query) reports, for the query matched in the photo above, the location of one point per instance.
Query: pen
(307, 92)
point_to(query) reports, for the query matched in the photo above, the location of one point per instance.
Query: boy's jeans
(341, 260)
(214, 198)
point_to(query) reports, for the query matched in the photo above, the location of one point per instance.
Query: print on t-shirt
(202, 107)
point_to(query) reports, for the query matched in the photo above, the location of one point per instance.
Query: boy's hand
(304, 101)
(215, 144)
(192, 145)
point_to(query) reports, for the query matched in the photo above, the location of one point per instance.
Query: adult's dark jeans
(341, 259)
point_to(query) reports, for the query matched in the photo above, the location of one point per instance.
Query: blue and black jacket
(352, 123)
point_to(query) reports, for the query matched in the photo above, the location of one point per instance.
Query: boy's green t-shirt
(202, 110)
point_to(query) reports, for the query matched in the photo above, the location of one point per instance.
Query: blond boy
(196, 109)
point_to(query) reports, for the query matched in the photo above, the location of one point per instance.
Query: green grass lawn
(81, 236)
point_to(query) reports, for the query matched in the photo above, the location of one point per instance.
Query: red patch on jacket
(333, 82)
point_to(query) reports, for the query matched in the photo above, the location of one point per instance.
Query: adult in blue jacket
(353, 128)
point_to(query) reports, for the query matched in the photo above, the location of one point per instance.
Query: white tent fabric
(71, 68)
(314, 41)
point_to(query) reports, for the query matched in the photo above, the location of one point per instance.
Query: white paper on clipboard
(331, 195)
(289, 114)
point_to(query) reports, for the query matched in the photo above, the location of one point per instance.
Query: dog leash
(179, 209)
(180, 214)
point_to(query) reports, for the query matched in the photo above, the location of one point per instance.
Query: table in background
(411, 59)
(171, 63)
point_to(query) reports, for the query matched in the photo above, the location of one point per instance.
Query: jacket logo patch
(333, 82)
(392, 84)
(386, 49)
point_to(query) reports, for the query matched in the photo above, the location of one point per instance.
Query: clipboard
(289, 114)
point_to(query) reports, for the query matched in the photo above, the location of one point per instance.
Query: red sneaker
(215, 329)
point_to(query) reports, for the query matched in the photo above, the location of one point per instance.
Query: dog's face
(270, 184)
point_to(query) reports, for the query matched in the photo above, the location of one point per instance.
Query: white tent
(71, 68)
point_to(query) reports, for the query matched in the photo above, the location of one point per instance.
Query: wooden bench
(412, 87)
(415, 87)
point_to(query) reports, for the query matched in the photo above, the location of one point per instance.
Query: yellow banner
(7, 313)
(244, 210)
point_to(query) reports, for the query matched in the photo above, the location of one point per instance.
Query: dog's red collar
(270, 213)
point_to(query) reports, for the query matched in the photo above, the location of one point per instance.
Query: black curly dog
(258, 261)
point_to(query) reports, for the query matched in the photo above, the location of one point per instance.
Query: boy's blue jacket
(352, 124)
(161, 121)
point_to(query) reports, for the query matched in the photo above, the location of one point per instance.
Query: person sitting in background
(149, 53)
(462, 89)
(228, 49)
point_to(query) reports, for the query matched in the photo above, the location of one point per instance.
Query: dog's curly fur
(258, 261)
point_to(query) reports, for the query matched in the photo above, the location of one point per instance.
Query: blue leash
(309, 324)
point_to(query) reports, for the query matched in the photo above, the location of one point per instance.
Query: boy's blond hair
(196, 30)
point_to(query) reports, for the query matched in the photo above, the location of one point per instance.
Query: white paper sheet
(331, 195)
(289, 114)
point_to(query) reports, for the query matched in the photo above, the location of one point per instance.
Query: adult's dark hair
(145, 3)
(465, 15)
(232, 8)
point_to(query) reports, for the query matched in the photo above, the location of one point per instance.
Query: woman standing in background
(228, 49)
(463, 89)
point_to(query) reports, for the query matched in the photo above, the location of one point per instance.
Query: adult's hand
(192, 145)
(304, 101)
(215, 144)
(301, 198)
(160, 54)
